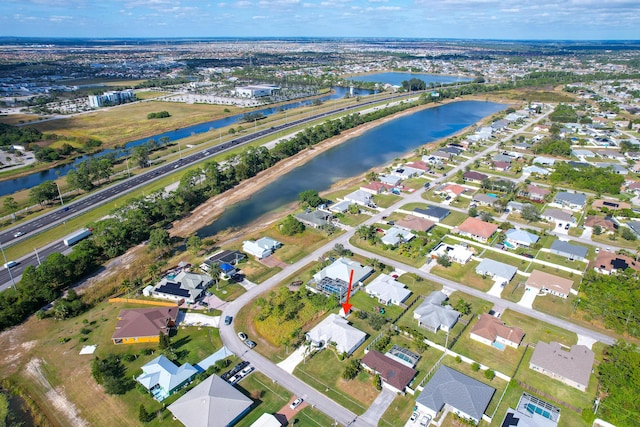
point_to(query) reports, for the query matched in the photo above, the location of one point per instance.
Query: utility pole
(37, 256)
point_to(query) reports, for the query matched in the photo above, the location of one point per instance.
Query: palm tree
(215, 271)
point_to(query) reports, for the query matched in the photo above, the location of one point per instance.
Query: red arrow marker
(346, 306)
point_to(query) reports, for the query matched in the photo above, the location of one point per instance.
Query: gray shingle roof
(458, 390)
(569, 249)
(571, 198)
(496, 268)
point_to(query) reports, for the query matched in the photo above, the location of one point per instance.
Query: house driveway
(198, 319)
(496, 289)
(294, 359)
(529, 296)
(378, 407)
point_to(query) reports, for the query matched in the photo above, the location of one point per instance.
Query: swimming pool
(499, 346)
(509, 245)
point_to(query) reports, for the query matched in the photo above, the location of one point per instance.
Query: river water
(376, 147)
(37, 178)
(396, 78)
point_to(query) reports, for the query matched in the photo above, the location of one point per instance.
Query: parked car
(227, 320)
(425, 421)
(296, 403)
(414, 416)
(234, 379)
(242, 336)
(247, 370)
(250, 343)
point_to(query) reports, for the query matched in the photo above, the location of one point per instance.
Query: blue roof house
(162, 377)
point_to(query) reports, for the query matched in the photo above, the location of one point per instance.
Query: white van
(10, 264)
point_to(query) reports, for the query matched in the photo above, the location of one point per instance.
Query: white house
(387, 290)
(260, 248)
(335, 329)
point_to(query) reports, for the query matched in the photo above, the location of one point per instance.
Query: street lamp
(60, 194)
(8, 267)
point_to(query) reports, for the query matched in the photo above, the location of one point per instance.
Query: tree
(463, 307)
(291, 226)
(444, 260)
(11, 206)
(597, 230)
(475, 366)
(486, 216)
(490, 374)
(530, 213)
(627, 234)
(159, 239)
(310, 198)
(194, 244)
(141, 155)
(44, 192)
(351, 370)
(377, 383)
(473, 212)
(110, 373)
(376, 321)
(164, 341)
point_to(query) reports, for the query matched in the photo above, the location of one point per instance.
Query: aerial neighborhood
(485, 277)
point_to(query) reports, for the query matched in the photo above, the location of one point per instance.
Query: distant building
(256, 91)
(111, 98)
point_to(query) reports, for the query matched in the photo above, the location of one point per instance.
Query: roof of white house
(396, 235)
(387, 288)
(518, 235)
(574, 364)
(432, 313)
(337, 329)
(341, 269)
(496, 268)
(165, 373)
(359, 196)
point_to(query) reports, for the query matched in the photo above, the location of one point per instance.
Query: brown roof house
(534, 193)
(491, 331)
(549, 284)
(394, 375)
(605, 224)
(570, 366)
(144, 324)
(415, 223)
(477, 229)
(610, 263)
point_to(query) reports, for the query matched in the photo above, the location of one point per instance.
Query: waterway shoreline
(211, 210)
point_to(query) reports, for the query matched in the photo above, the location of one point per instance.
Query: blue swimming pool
(499, 346)
(509, 245)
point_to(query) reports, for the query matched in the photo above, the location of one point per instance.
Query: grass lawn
(257, 272)
(419, 285)
(363, 244)
(455, 218)
(352, 220)
(464, 274)
(506, 258)
(270, 397)
(148, 94)
(535, 330)
(323, 372)
(399, 411)
(560, 260)
(362, 301)
(386, 200)
(514, 290)
(555, 306)
(227, 291)
(129, 122)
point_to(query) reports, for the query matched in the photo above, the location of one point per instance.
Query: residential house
(140, 325)
(394, 375)
(212, 403)
(454, 151)
(475, 177)
(260, 248)
(406, 172)
(522, 146)
(464, 396)
(222, 257)
(610, 204)
(415, 223)
(318, 218)
(452, 190)
(517, 237)
(558, 216)
(532, 412)
(484, 199)
(441, 156)
(497, 270)
(361, 198)
(492, 331)
(184, 286)
(605, 224)
(162, 377)
(269, 420)
(634, 226)
(569, 251)
(455, 253)
(376, 187)
(615, 167)
(499, 125)
(516, 207)
(476, 229)
(549, 284)
(530, 170)
(504, 158)
(581, 153)
(432, 213)
(572, 367)
(390, 180)
(334, 279)
(534, 193)
(335, 329)
(543, 161)
(387, 290)
(572, 201)
(541, 128)
(611, 263)
(418, 164)
(432, 315)
(396, 235)
(501, 166)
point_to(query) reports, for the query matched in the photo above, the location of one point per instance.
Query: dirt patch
(55, 397)
(272, 261)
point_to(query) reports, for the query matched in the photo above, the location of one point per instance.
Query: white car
(242, 336)
(425, 421)
(296, 403)
(10, 264)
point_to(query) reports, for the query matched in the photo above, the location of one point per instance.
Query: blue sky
(484, 19)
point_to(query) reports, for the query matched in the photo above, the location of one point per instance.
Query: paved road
(324, 404)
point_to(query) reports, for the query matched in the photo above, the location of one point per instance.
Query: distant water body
(376, 147)
(396, 78)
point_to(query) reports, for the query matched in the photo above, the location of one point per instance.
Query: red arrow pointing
(346, 306)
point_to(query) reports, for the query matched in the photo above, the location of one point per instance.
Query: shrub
(475, 366)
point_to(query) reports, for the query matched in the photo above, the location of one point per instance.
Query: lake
(376, 147)
(396, 78)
